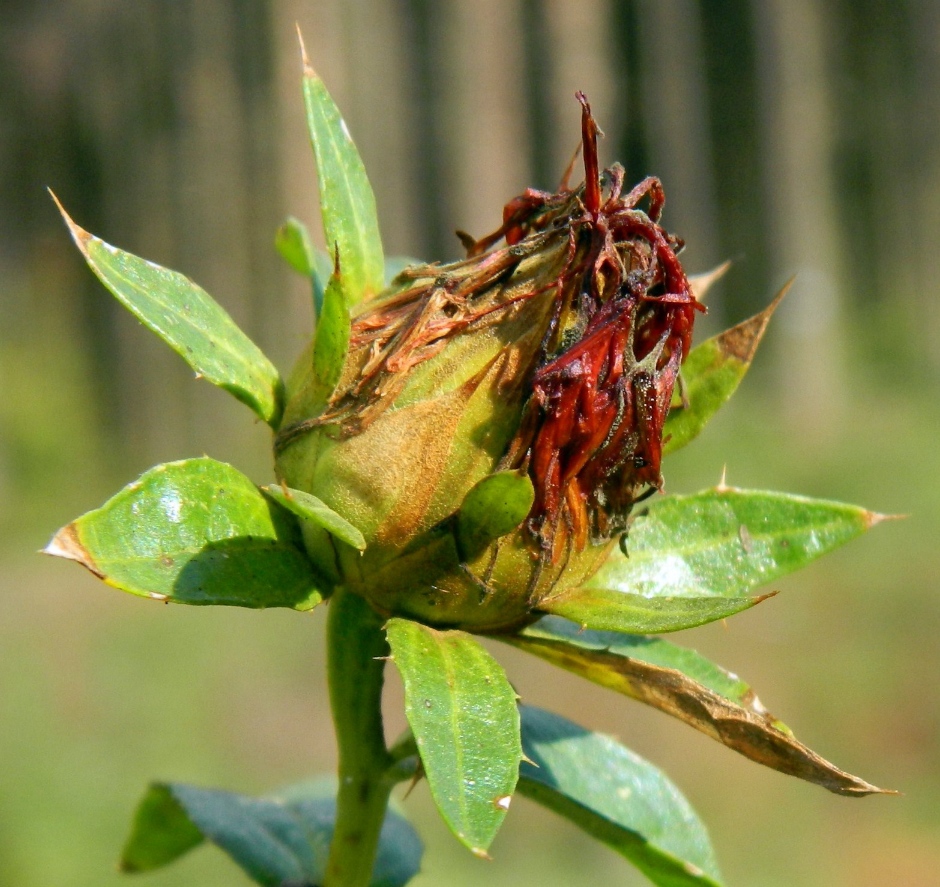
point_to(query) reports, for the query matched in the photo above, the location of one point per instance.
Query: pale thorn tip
(57, 549)
(702, 283)
(56, 200)
(723, 482)
(305, 61)
(79, 234)
(780, 296)
(873, 518)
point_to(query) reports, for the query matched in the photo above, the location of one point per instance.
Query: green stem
(357, 650)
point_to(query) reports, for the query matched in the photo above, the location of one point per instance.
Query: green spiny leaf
(292, 241)
(610, 609)
(277, 840)
(331, 341)
(187, 318)
(309, 507)
(462, 711)
(494, 507)
(194, 532)
(694, 559)
(350, 222)
(617, 798)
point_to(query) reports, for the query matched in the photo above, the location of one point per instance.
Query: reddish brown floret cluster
(593, 433)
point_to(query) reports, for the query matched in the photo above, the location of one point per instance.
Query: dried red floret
(593, 434)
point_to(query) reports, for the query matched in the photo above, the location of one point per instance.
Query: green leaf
(161, 832)
(309, 507)
(687, 686)
(277, 840)
(332, 337)
(617, 798)
(194, 532)
(187, 318)
(694, 559)
(292, 241)
(350, 222)
(711, 374)
(492, 508)
(612, 610)
(462, 711)
(322, 271)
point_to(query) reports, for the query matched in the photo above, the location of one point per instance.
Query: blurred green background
(793, 136)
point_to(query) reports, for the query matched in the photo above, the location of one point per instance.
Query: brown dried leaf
(737, 720)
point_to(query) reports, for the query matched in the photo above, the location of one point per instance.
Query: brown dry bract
(747, 728)
(741, 341)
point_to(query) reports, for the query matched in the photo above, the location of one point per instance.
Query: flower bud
(550, 359)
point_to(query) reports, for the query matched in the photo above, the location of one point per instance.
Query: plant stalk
(356, 662)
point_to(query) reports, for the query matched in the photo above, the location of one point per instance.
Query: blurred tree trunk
(802, 208)
(581, 54)
(676, 120)
(888, 172)
(485, 112)
(730, 51)
(153, 122)
(921, 119)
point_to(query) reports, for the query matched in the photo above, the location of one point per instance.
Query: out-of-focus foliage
(793, 136)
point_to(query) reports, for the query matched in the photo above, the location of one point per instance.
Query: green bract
(466, 449)
(402, 468)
